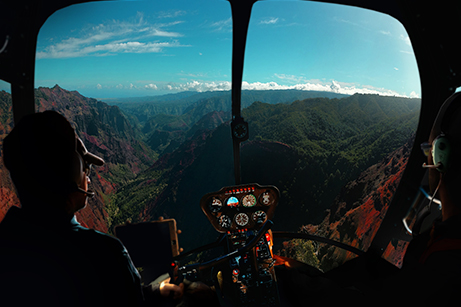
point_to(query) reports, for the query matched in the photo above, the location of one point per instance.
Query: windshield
(338, 135)
(331, 95)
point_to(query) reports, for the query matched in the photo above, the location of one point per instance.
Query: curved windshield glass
(138, 80)
(331, 95)
(336, 123)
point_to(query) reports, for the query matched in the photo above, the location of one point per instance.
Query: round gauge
(215, 205)
(240, 130)
(249, 200)
(259, 217)
(225, 221)
(232, 201)
(241, 219)
(266, 198)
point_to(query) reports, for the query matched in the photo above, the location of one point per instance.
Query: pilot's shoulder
(101, 240)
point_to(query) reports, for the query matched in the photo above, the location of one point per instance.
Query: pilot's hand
(171, 290)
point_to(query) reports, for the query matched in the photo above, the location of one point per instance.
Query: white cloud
(406, 39)
(269, 21)
(333, 86)
(98, 86)
(112, 38)
(201, 86)
(150, 86)
(171, 14)
(223, 25)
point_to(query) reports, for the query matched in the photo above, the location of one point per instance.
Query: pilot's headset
(441, 150)
(441, 147)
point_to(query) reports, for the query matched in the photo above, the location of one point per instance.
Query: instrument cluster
(240, 208)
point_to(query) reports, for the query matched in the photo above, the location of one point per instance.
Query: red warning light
(268, 237)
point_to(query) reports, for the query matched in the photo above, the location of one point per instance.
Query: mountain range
(162, 155)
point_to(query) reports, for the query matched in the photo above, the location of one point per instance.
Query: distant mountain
(142, 108)
(164, 119)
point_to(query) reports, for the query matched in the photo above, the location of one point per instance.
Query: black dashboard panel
(240, 208)
(240, 212)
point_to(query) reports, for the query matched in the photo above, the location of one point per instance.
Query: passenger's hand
(167, 289)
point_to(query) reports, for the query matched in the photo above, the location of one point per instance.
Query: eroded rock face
(358, 211)
(105, 132)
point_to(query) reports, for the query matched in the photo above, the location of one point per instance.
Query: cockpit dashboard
(240, 208)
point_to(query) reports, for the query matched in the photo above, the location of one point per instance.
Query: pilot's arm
(163, 289)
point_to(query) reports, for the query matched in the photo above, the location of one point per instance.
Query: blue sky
(135, 48)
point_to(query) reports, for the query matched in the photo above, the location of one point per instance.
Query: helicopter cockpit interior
(272, 133)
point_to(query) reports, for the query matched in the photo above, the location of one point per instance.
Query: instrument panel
(240, 208)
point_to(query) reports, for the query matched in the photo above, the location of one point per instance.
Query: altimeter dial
(241, 219)
(249, 200)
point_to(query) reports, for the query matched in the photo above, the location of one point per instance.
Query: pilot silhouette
(46, 256)
(431, 267)
(431, 270)
(434, 256)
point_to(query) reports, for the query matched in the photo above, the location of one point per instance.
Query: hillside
(331, 141)
(309, 149)
(104, 130)
(358, 210)
(165, 120)
(8, 196)
(314, 150)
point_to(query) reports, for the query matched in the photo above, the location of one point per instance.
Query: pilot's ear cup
(76, 172)
(441, 151)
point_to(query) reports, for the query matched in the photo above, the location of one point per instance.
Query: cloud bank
(204, 86)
